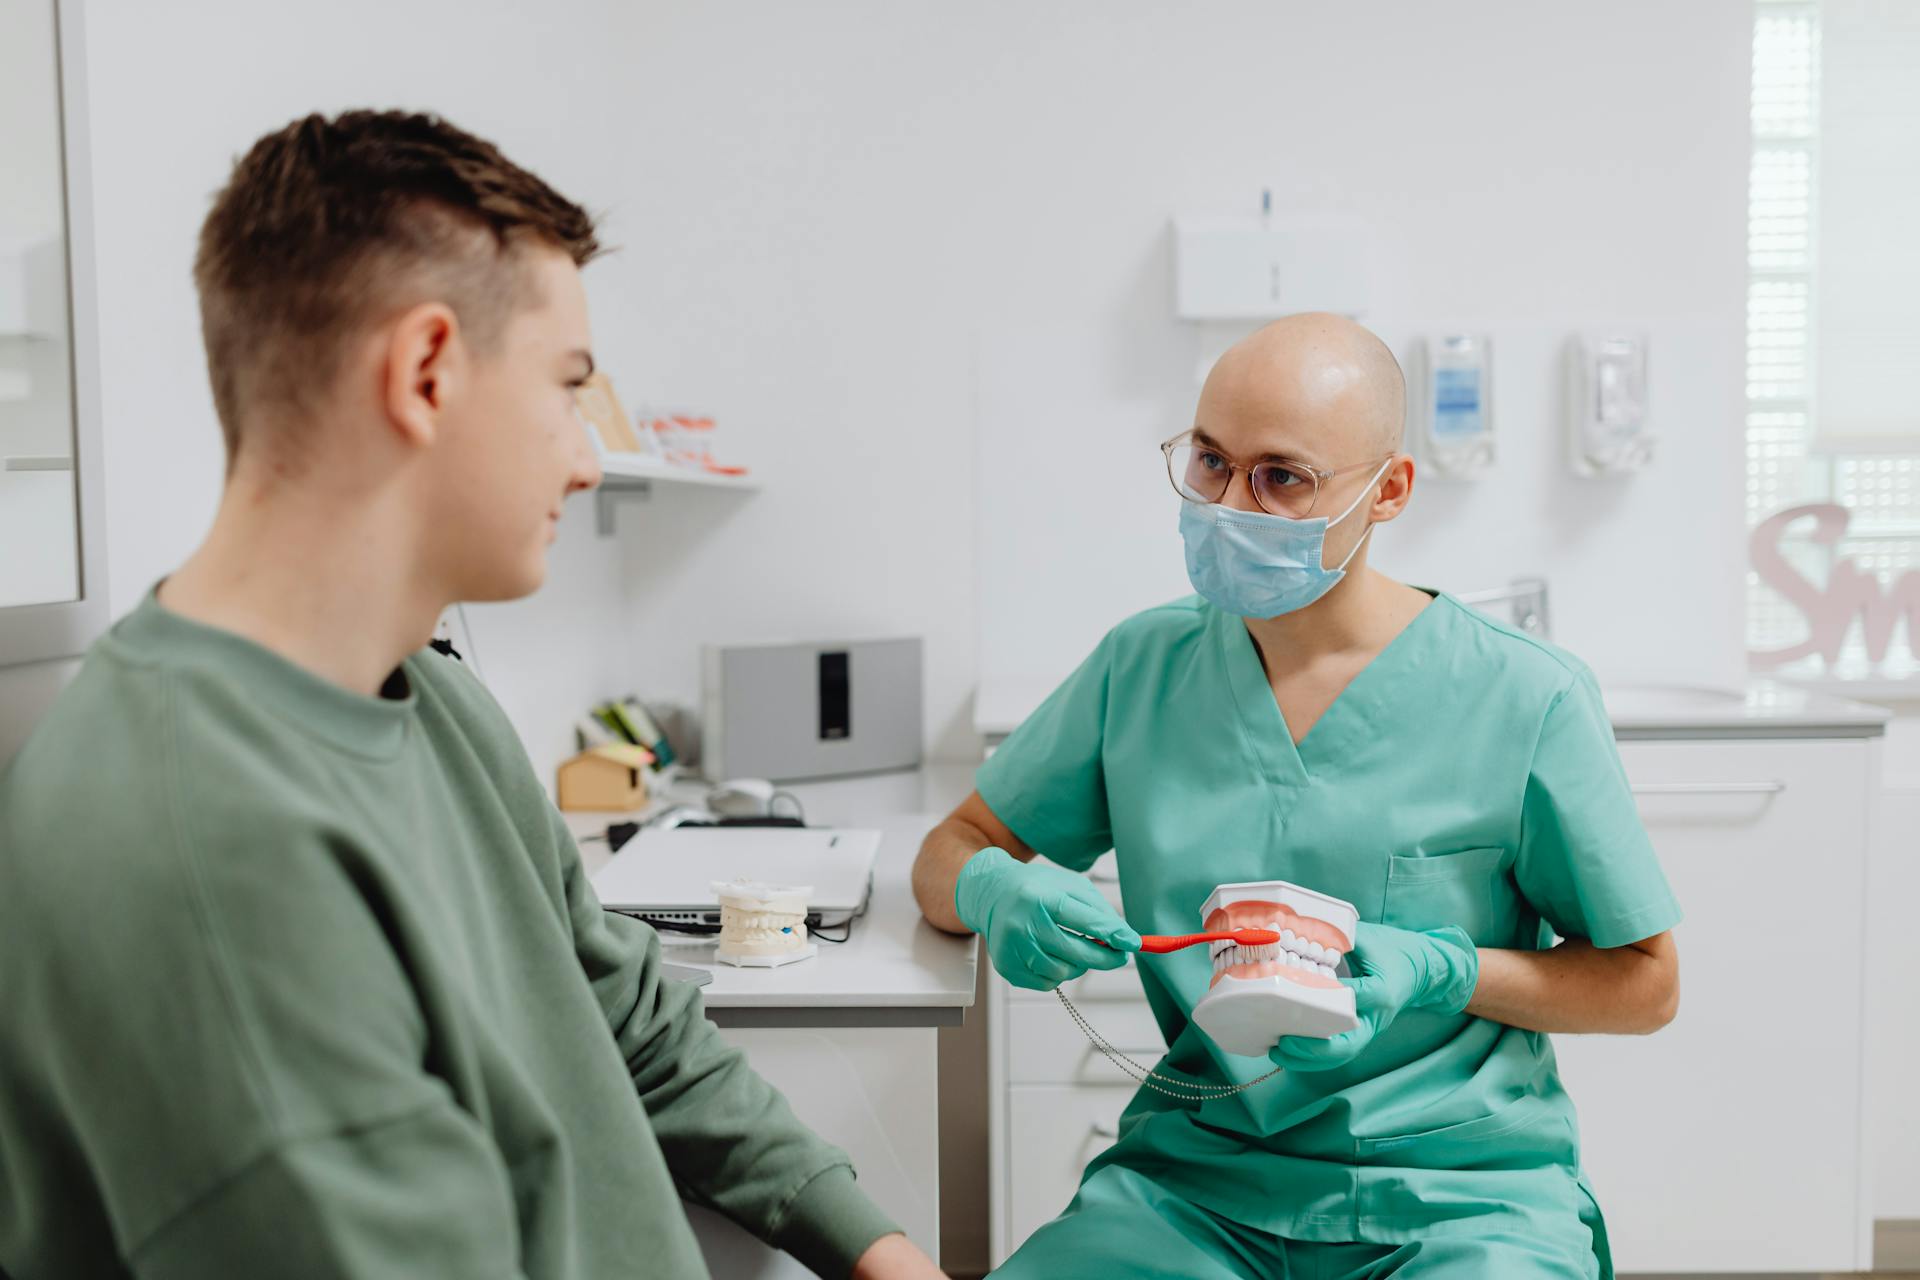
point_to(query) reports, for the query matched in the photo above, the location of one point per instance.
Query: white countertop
(1763, 709)
(895, 968)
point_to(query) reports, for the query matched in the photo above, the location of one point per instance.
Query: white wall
(910, 253)
(915, 258)
(720, 297)
(1528, 172)
(892, 246)
(178, 92)
(811, 250)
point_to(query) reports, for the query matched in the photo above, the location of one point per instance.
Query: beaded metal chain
(1194, 1092)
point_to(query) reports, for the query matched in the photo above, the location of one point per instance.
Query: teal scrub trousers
(1124, 1226)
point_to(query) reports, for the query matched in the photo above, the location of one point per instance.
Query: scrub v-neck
(1354, 708)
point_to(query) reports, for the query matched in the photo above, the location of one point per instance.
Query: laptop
(669, 874)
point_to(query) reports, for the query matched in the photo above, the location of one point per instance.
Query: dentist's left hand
(1033, 915)
(1394, 970)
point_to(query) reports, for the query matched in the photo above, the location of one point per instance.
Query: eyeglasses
(1201, 473)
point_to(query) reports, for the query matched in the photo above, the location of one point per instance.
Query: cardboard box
(607, 779)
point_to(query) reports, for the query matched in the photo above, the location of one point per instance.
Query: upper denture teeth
(1292, 950)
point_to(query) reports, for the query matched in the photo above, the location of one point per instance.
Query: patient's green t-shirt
(296, 982)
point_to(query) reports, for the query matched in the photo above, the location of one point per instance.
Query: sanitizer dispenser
(1453, 403)
(1607, 428)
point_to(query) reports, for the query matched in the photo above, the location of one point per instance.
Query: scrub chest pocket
(1471, 888)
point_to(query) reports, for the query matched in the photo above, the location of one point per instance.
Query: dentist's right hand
(1029, 913)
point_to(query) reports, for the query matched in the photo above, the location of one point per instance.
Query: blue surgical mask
(1257, 565)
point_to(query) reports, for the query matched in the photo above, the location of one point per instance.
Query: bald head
(1317, 387)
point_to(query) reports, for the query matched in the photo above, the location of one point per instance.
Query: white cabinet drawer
(1746, 1110)
(1093, 985)
(1045, 1047)
(1053, 1132)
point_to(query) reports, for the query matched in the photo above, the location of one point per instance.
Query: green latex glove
(1025, 910)
(1395, 970)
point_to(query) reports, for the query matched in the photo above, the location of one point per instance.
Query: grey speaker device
(788, 712)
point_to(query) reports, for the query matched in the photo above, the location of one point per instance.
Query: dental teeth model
(1290, 988)
(763, 925)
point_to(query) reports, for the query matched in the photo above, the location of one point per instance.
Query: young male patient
(299, 972)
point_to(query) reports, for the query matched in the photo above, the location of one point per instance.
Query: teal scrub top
(1467, 776)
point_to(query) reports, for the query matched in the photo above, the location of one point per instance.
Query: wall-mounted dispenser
(1256, 268)
(1608, 431)
(1451, 409)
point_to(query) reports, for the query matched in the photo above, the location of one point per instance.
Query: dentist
(1306, 718)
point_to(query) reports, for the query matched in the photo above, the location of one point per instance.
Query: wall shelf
(633, 478)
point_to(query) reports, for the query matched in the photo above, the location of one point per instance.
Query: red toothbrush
(1160, 944)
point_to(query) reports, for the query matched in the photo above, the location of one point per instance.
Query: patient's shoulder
(137, 775)
(454, 703)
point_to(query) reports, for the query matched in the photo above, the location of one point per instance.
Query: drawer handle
(1109, 1129)
(1708, 788)
(1156, 1051)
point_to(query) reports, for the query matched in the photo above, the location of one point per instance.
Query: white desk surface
(896, 969)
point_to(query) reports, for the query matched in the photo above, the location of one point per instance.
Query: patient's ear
(426, 363)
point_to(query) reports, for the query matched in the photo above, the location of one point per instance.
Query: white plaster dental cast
(1290, 988)
(763, 926)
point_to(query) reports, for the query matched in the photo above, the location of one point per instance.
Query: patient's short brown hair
(327, 226)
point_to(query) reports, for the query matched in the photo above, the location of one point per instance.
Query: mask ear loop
(1351, 506)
